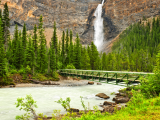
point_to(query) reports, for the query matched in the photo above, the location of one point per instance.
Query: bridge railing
(108, 76)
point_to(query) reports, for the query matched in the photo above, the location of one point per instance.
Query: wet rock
(109, 109)
(99, 84)
(102, 95)
(90, 82)
(108, 103)
(74, 110)
(121, 100)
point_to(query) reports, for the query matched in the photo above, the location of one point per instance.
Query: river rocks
(121, 97)
(99, 84)
(108, 103)
(102, 95)
(90, 82)
(121, 100)
(74, 110)
(49, 83)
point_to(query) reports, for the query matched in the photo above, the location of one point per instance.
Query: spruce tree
(16, 49)
(6, 24)
(77, 54)
(1, 17)
(71, 48)
(53, 65)
(30, 55)
(54, 38)
(85, 60)
(2, 52)
(67, 49)
(35, 40)
(54, 41)
(42, 50)
(62, 52)
(24, 37)
(94, 55)
(104, 63)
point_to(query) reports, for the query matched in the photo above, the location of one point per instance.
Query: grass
(138, 108)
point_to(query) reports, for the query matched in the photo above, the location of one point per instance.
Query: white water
(98, 27)
(45, 97)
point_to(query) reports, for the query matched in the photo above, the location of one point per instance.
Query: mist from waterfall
(98, 27)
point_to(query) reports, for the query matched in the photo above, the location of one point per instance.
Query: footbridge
(111, 77)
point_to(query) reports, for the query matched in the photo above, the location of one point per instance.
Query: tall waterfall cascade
(98, 27)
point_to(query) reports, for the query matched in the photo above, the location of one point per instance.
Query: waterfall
(98, 27)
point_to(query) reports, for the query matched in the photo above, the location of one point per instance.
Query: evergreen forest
(28, 54)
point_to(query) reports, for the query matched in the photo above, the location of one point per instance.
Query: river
(45, 97)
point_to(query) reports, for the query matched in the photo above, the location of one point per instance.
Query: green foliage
(70, 66)
(28, 69)
(22, 71)
(13, 71)
(6, 81)
(28, 105)
(65, 103)
(83, 105)
(42, 57)
(41, 116)
(2, 53)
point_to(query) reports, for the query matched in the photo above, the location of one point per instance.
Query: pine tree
(77, 54)
(16, 50)
(6, 24)
(24, 37)
(2, 52)
(1, 16)
(53, 65)
(104, 63)
(67, 41)
(54, 38)
(42, 50)
(54, 41)
(71, 49)
(85, 60)
(35, 40)
(63, 53)
(94, 55)
(67, 49)
(30, 55)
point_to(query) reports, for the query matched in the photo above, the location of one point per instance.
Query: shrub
(55, 75)
(70, 66)
(13, 71)
(28, 105)
(22, 71)
(28, 69)
(65, 103)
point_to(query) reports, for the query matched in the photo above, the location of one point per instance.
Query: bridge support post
(99, 76)
(107, 77)
(116, 79)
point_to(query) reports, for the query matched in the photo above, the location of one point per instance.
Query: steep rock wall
(119, 14)
(78, 15)
(68, 14)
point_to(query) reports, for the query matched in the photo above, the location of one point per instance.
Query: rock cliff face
(119, 14)
(78, 15)
(68, 14)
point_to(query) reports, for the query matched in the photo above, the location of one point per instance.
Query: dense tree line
(135, 50)
(137, 47)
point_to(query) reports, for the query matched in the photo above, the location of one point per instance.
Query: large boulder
(102, 95)
(90, 82)
(121, 100)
